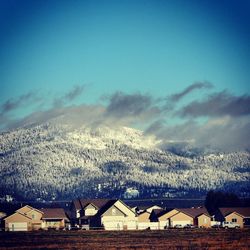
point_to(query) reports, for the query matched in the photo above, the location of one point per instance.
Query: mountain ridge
(52, 161)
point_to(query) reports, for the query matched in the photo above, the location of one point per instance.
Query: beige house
(239, 215)
(182, 216)
(145, 221)
(164, 218)
(54, 218)
(84, 210)
(103, 213)
(200, 216)
(26, 218)
(118, 216)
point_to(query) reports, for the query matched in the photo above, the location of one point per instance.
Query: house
(83, 210)
(239, 215)
(164, 218)
(200, 215)
(26, 218)
(103, 213)
(116, 215)
(54, 218)
(183, 216)
(145, 221)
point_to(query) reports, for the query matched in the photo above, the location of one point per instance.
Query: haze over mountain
(54, 161)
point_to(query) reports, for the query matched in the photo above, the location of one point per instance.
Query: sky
(176, 69)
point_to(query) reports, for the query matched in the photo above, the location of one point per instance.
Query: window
(234, 219)
(33, 216)
(205, 220)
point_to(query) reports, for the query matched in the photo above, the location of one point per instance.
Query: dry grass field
(168, 239)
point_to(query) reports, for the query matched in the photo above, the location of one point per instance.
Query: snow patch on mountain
(58, 160)
(101, 138)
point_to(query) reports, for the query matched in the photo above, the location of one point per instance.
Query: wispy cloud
(73, 115)
(121, 105)
(226, 133)
(22, 100)
(218, 104)
(198, 85)
(38, 102)
(226, 127)
(69, 96)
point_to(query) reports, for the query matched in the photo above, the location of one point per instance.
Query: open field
(167, 239)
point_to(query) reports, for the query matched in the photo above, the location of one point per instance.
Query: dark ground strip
(197, 239)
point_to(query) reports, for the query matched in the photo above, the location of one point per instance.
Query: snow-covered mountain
(52, 161)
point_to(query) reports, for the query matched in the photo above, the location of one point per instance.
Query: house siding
(180, 218)
(232, 216)
(113, 222)
(123, 219)
(204, 221)
(90, 210)
(17, 218)
(166, 216)
(113, 211)
(144, 221)
(56, 224)
(164, 220)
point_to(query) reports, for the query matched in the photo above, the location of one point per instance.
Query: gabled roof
(158, 212)
(242, 211)
(153, 207)
(127, 206)
(109, 204)
(53, 213)
(103, 214)
(144, 216)
(24, 215)
(143, 212)
(91, 204)
(104, 208)
(194, 212)
(82, 203)
(26, 209)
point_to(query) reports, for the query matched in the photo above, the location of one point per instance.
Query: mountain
(53, 161)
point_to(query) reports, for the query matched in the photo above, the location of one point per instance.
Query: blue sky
(49, 49)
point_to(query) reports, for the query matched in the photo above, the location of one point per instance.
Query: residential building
(54, 218)
(239, 215)
(164, 218)
(26, 218)
(182, 216)
(83, 210)
(103, 213)
(200, 215)
(145, 221)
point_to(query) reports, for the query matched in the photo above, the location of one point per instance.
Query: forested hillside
(52, 161)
